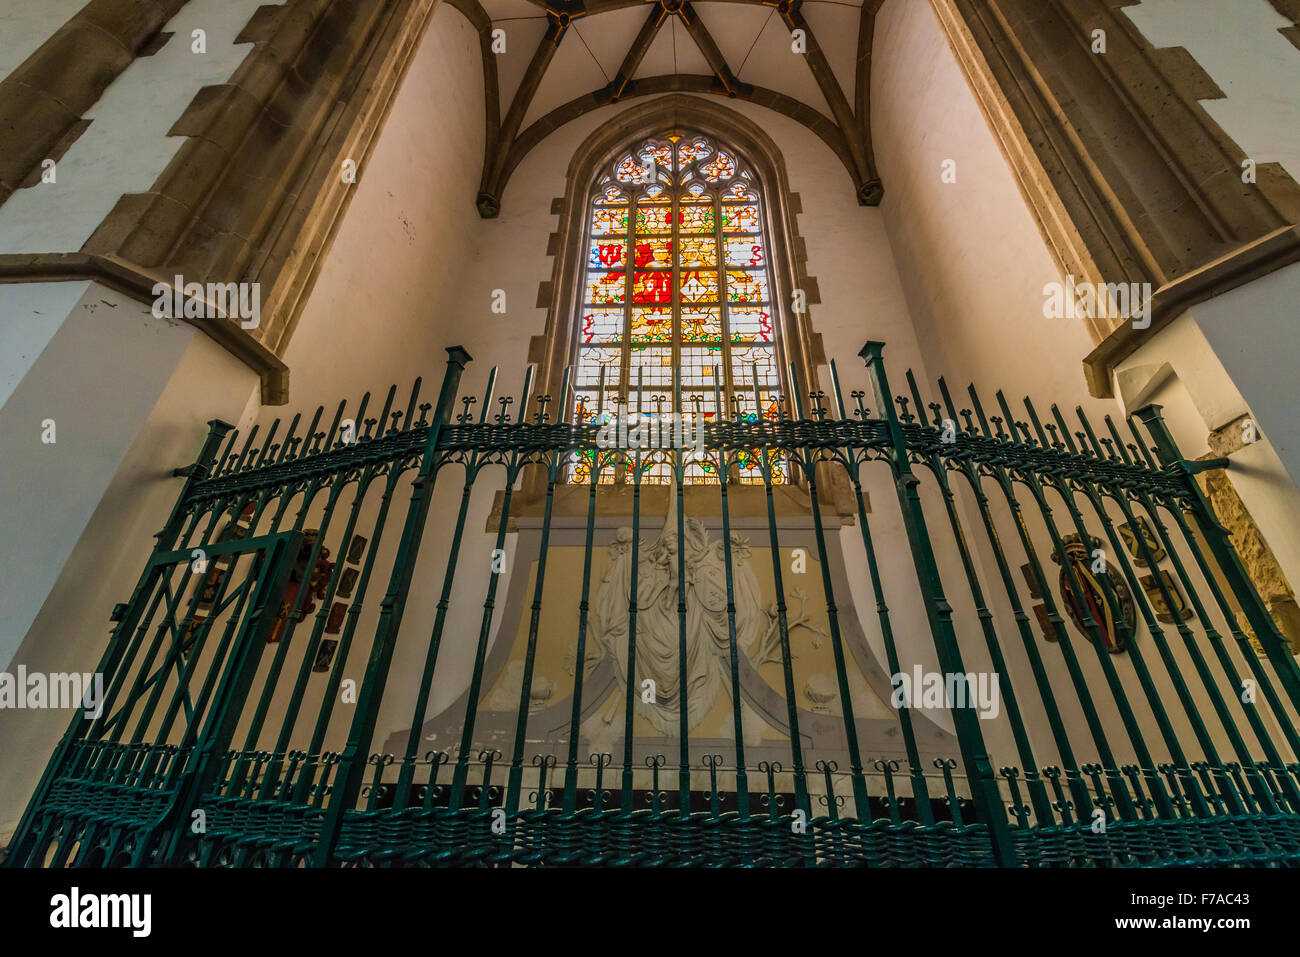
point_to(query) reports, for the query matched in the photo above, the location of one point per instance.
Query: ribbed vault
(547, 63)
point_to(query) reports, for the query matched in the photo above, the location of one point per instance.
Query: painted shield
(1097, 605)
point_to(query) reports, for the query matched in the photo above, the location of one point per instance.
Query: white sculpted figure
(657, 632)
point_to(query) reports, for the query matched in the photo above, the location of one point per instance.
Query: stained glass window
(677, 304)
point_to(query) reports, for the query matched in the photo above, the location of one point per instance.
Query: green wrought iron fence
(1146, 720)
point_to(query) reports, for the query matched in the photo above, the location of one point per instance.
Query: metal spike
(487, 394)
(979, 409)
(311, 430)
(383, 416)
(411, 405)
(1065, 429)
(564, 392)
(525, 395)
(947, 399)
(794, 390)
(223, 458)
(266, 445)
(1119, 442)
(835, 390)
(1038, 426)
(289, 438)
(334, 426)
(1142, 446)
(1087, 428)
(916, 396)
(1008, 418)
(361, 418)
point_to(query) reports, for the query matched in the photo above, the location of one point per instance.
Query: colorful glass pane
(751, 466)
(746, 285)
(658, 153)
(696, 217)
(654, 366)
(602, 325)
(652, 324)
(609, 222)
(739, 219)
(698, 252)
(654, 219)
(630, 171)
(689, 152)
(705, 471)
(591, 359)
(587, 408)
(699, 286)
(607, 255)
(752, 360)
(605, 287)
(743, 251)
(739, 190)
(674, 323)
(652, 287)
(720, 167)
(698, 365)
(749, 325)
(653, 252)
(701, 325)
(581, 463)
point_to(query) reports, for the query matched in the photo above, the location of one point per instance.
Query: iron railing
(1159, 731)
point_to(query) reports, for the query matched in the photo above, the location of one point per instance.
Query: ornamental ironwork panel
(1116, 690)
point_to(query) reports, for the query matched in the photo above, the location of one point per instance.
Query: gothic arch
(553, 350)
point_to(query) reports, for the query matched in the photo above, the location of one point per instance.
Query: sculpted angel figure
(658, 622)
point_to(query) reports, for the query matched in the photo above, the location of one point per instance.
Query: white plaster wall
(130, 395)
(25, 26)
(97, 408)
(126, 146)
(32, 313)
(1237, 43)
(972, 260)
(1252, 331)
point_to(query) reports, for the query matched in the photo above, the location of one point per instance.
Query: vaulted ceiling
(564, 58)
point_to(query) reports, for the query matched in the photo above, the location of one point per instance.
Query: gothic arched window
(676, 280)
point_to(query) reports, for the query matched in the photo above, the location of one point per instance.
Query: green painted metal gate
(1150, 719)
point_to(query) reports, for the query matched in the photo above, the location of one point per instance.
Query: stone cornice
(131, 280)
(1243, 265)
